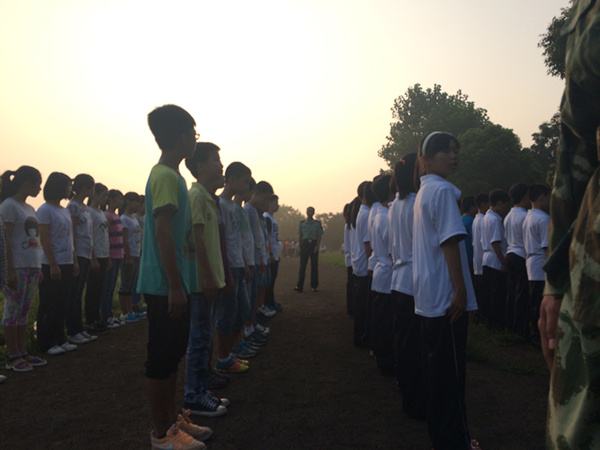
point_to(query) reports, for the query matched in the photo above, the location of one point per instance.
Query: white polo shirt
(535, 235)
(477, 248)
(382, 273)
(359, 257)
(437, 219)
(492, 231)
(513, 224)
(400, 226)
(372, 214)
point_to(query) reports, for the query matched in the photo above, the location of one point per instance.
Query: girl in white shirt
(132, 234)
(443, 291)
(23, 262)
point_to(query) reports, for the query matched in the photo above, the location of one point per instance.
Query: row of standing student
(61, 250)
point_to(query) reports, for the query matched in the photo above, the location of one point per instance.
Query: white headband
(426, 141)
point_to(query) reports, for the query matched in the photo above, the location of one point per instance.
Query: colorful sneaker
(207, 406)
(56, 350)
(77, 339)
(139, 315)
(242, 361)
(34, 361)
(88, 336)
(187, 426)
(175, 439)
(233, 366)
(129, 318)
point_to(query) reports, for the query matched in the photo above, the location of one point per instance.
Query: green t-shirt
(310, 230)
(166, 189)
(204, 212)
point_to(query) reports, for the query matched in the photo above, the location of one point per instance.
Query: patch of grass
(334, 259)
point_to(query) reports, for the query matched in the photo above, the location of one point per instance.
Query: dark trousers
(93, 292)
(382, 331)
(74, 305)
(536, 293)
(494, 282)
(406, 326)
(478, 288)
(444, 355)
(54, 295)
(517, 297)
(349, 292)
(362, 288)
(270, 294)
(307, 250)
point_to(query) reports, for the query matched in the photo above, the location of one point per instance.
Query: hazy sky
(299, 90)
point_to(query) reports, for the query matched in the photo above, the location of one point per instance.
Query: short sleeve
(164, 188)
(198, 206)
(496, 231)
(44, 216)
(448, 221)
(544, 224)
(8, 212)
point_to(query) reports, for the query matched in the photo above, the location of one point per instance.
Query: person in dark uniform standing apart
(310, 231)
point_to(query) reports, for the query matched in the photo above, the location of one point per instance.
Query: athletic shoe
(129, 318)
(77, 339)
(187, 426)
(256, 338)
(276, 306)
(139, 315)
(112, 323)
(56, 350)
(34, 361)
(88, 336)
(97, 328)
(68, 347)
(23, 366)
(297, 289)
(222, 401)
(264, 331)
(265, 311)
(208, 406)
(175, 439)
(242, 361)
(232, 366)
(243, 352)
(2, 378)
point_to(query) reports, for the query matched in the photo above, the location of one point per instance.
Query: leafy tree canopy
(419, 112)
(554, 44)
(545, 146)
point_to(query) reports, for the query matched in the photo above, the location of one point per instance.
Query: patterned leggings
(18, 300)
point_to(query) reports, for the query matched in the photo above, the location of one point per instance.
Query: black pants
(270, 294)
(408, 367)
(362, 288)
(494, 282)
(54, 295)
(382, 331)
(349, 292)
(444, 355)
(74, 305)
(517, 297)
(536, 293)
(93, 292)
(307, 250)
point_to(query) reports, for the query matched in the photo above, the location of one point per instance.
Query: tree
(419, 112)
(491, 157)
(545, 146)
(555, 44)
(288, 219)
(333, 226)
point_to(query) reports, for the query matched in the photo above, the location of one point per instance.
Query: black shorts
(167, 338)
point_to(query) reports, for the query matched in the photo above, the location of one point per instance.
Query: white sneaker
(266, 311)
(77, 339)
(110, 323)
(88, 336)
(56, 350)
(68, 347)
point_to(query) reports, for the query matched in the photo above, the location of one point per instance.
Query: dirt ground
(309, 388)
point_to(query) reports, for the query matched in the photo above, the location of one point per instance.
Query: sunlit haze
(299, 90)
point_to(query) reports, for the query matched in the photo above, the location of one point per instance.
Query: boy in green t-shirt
(165, 278)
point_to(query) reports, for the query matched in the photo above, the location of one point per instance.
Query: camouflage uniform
(573, 268)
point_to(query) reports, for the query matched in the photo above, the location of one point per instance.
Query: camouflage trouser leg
(574, 401)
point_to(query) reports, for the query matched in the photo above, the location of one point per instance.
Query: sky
(299, 90)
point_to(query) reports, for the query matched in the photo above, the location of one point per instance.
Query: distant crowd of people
(417, 265)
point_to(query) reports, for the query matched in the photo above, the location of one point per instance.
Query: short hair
(361, 189)
(481, 199)
(251, 184)
(80, 182)
(262, 187)
(237, 169)
(381, 188)
(129, 197)
(20, 176)
(404, 175)
(436, 142)
(517, 191)
(356, 203)
(497, 196)
(368, 194)
(347, 214)
(98, 189)
(168, 123)
(56, 186)
(274, 197)
(200, 155)
(467, 203)
(537, 190)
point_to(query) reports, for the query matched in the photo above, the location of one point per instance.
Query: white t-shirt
(233, 233)
(513, 224)
(372, 214)
(492, 231)
(273, 235)
(535, 235)
(359, 257)
(83, 231)
(437, 219)
(25, 242)
(346, 247)
(134, 234)
(477, 247)
(60, 227)
(382, 272)
(99, 233)
(400, 220)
